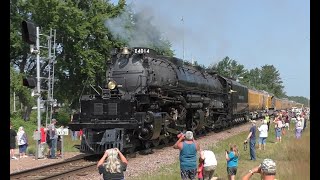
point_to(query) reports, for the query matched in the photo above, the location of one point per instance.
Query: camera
(179, 135)
(245, 145)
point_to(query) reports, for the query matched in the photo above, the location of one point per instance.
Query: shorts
(23, 148)
(262, 140)
(278, 132)
(188, 174)
(232, 170)
(12, 145)
(208, 171)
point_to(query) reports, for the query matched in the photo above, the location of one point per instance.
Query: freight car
(258, 103)
(149, 98)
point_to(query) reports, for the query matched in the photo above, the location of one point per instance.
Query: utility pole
(38, 90)
(182, 38)
(31, 35)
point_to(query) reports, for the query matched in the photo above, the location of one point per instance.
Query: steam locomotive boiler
(150, 98)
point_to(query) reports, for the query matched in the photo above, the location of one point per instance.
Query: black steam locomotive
(150, 98)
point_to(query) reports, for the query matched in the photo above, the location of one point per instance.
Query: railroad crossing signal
(29, 82)
(29, 32)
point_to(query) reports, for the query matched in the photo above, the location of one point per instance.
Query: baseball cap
(268, 167)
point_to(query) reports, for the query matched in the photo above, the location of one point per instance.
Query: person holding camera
(278, 127)
(112, 164)
(267, 170)
(232, 157)
(188, 155)
(252, 137)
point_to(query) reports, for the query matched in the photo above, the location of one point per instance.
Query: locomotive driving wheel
(130, 152)
(166, 140)
(156, 142)
(147, 148)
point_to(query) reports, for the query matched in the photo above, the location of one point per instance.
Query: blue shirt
(188, 156)
(233, 161)
(253, 129)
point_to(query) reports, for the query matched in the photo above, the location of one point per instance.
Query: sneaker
(14, 158)
(53, 157)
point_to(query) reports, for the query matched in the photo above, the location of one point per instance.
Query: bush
(29, 127)
(17, 121)
(31, 150)
(63, 116)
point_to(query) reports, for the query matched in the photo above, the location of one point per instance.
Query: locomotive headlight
(112, 84)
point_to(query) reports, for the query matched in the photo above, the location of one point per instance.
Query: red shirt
(42, 135)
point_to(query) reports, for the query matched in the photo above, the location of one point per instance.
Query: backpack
(48, 140)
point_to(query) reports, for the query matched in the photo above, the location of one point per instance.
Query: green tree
(300, 99)
(229, 68)
(270, 78)
(82, 39)
(251, 78)
(267, 78)
(22, 93)
(63, 116)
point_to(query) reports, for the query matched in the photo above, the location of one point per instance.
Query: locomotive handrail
(126, 72)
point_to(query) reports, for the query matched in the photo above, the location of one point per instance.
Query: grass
(292, 157)
(68, 144)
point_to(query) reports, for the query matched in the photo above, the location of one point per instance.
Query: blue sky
(254, 33)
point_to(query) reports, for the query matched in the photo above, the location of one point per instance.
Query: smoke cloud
(136, 30)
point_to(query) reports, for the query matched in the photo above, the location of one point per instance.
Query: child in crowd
(232, 157)
(200, 169)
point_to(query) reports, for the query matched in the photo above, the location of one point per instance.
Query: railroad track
(62, 170)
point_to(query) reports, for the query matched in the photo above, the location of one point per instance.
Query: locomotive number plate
(141, 50)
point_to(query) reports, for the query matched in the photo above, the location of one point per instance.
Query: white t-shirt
(299, 125)
(22, 138)
(263, 130)
(279, 124)
(209, 158)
